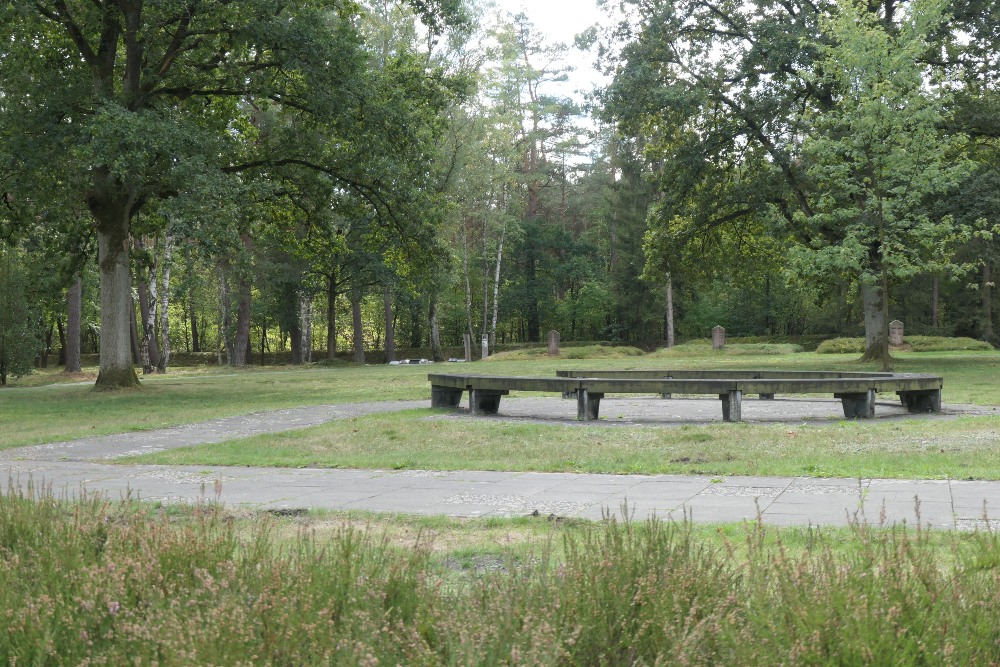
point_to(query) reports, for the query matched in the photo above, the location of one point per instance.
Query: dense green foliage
(287, 180)
(113, 582)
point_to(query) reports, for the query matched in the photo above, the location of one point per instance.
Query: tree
(132, 102)
(877, 157)
(18, 325)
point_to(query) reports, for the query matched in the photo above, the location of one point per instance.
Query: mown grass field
(960, 448)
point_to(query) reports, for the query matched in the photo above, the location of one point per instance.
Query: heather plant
(100, 582)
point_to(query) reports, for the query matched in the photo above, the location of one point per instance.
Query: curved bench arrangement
(856, 391)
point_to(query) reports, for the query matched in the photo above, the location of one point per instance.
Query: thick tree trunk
(116, 371)
(670, 312)
(74, 315)
(331, 318)
(390, 325)
(876, 326)
(358, 327)
(436, 353)
(165, 305)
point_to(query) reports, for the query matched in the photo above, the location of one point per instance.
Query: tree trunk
(468, 280)
(146, 287)
(988, 333)
(436, 353)
(359, 334)
(670, 311)
(534, 319)
(225, 319)
(165, 305)
(241, 345)
(62, 341)
(116, 371)
(496, 288)
(390, 327)
(935, 301)
(192, 313)
(305, 316)
(295, 336)
(74, 315)
(331, 318)
(876, 326)
(133, 332)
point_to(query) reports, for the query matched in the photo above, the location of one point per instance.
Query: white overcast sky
(561, 21)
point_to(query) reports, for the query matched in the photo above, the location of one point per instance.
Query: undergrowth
(910, 343)
(99, 582)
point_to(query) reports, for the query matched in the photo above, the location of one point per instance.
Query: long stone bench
(856, 391)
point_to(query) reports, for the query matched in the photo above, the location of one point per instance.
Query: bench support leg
(859, 405)
(732, 406)
(588, 405)
(484, 401)
(445, 397)
(921, 401)
(767, 397)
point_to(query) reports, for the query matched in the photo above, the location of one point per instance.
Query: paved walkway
(70, 467)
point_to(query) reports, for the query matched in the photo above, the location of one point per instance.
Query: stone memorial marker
(895, 332)
(554, 343)
(718, 338)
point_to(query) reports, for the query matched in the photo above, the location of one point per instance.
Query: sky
(561, 21)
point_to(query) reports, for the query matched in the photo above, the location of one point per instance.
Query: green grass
(98, 582)
(907, 448)
(914, 448)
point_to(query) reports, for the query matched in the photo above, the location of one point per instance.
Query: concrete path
(72, 467)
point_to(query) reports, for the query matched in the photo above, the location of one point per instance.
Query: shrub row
(911, 343)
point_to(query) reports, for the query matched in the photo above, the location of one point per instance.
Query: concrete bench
(856, 391)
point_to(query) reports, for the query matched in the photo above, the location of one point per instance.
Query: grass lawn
(920, 448)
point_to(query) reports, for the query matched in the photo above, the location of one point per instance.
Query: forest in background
(293, 180)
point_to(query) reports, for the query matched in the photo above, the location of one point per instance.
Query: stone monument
(718, 338)
(554, 343)
(895, 332)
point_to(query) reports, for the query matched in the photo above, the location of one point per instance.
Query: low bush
(703, 347)
(574, 352)
(97, 582)
(910, 343)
